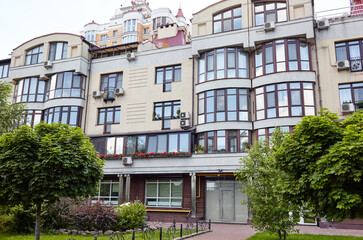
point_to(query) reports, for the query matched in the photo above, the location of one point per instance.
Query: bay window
(352, 51)
(227, 20)
(223, 105)
(159, 21)
(129, 39)
(230, 141)
(270, 12)
(68, 84)
(282, 55)
(164, 193)
(130, 25)
(33, 117)
(285, 100)
(29, 90)
(70, 115)
(34, 55)
(223, 63)
(266, 133)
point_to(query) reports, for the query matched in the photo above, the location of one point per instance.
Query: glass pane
(217, 27)
(341, 53)
(271, 100)
(281, 15)
(280, 52)
(232, 144)
(259, 18)
(237, 23)
(295, 98)
(184, 142)
(232, 102)
(164, 189)
(271, 112)
(283, 112)
(227, 25)
(110, 147)
(304, 51)
(237, 12)
(270, 6)
(243, 102)
(270, 17)
(162, 143)
(309, 111)
(296, 111)
(308, 97)
(151, 189)
(119, 145)
(260, 101)
(282, 98)
(151, 146)
(176, 189)
(130, 145)
(173, 143)
(221, 144)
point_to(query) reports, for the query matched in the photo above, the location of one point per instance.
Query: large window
(130, 25)
(155, 143)
(223, 105)
(224, 141)
(33, 117)
(266, 133)
(111, 81)
(167, 75)
(4, 70)
(108, 116)
(129, 39)
(282, 55)
(29, 90)
(58, 50)
(34, 55)
(68, 84)
(223, 63)
(70, 115)
(166, 111)
(164, 193)
(270, 12)
(352, 51)
(285, 100)
(108, 192)
(159, 21)
(352, 93)
(227, 20)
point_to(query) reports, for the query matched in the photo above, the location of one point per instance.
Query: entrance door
(227, 204)
(223, 202)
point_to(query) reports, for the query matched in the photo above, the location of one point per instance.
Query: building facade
(147, 98)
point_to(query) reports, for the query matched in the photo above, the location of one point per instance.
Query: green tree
(323, 162)
(45, 163)
(11, 115)
(264, 184)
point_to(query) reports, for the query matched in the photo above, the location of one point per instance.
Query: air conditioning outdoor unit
(343, 65)
(185, 123)
(184, 115)
(119, 91)
(269, 26)
(126, 160)
(347, 107)
(96, 94)
(48, 64)
(322, 24)
(131, 56)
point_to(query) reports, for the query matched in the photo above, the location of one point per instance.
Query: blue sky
(22, 20)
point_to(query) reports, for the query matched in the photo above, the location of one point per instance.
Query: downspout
(88, 87)
(193, 91)
(317, 60)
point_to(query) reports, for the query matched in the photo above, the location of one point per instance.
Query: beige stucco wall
(141, 92)
(76, 47)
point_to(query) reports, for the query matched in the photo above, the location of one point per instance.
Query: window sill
(167, 210)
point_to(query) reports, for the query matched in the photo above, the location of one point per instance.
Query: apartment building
(250, 66)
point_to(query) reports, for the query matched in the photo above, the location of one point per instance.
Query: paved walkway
(242, 232)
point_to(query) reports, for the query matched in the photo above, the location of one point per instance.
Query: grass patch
(6, 236)
(266, 236)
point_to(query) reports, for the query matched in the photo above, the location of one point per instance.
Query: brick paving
(242, 232)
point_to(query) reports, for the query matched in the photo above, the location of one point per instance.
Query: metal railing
(349, 11)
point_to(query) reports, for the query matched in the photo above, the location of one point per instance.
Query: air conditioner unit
(96, 94)
(269, 26)
(185, 123)
(48, 64)
(343, 65)
(322, 24)
(119, 91)
(131, 56)
(184, 115)
(347, 107)
(126, 160)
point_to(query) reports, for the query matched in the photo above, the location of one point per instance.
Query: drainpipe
(317, 61)
(87, 94)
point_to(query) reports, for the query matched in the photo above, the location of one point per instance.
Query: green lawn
(4, 236)
(266, 236)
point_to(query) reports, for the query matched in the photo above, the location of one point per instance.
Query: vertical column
(120, 188)
(193, 185)
(127, 188)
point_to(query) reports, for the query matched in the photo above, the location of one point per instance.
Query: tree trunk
(279, 232)
(37, 222)
(285, 235)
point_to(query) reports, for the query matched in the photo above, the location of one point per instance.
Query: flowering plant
(198, 148)
(160, 155)
(110, 156)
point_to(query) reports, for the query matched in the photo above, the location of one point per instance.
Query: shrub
(59, 214)
(24, 218)
(7, 223)
(94, 217)
(131, 215)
